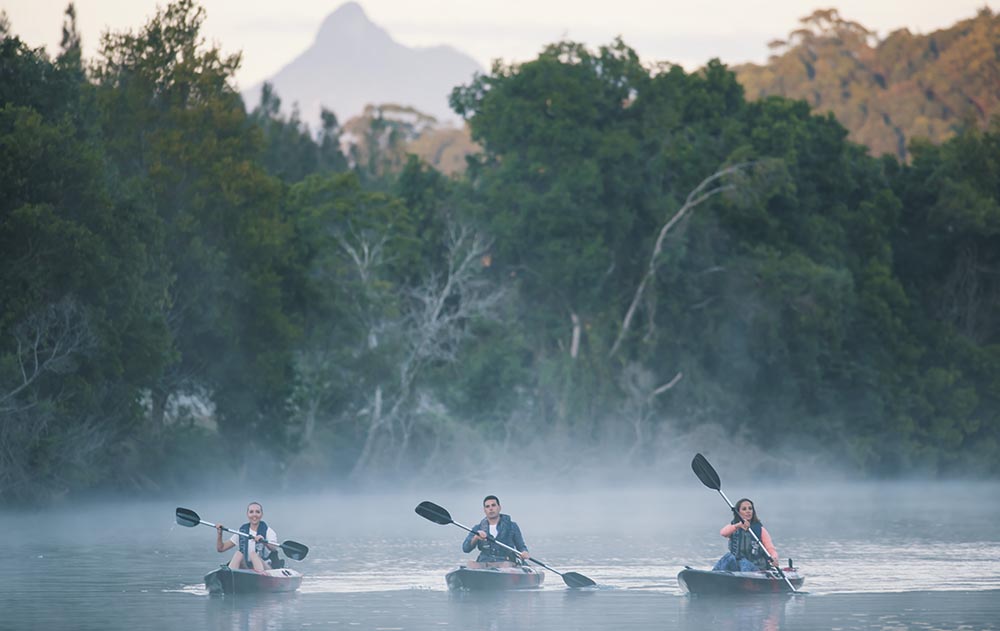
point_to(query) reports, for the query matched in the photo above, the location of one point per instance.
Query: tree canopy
(637, 258)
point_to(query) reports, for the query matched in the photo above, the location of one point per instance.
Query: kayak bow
(724, 583)
(227, 581)
(494, 579)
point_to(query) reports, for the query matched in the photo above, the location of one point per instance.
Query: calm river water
(875, 556)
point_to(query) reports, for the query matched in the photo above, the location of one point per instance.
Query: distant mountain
(354, 62)
(887, 92)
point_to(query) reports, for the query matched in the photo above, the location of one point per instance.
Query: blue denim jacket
(507, 532)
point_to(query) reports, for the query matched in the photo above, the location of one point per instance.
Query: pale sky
(271, 34)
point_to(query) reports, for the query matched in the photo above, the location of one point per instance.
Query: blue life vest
(743, 545)
(262, 531)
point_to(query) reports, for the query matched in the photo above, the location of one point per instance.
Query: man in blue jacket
(495, 527)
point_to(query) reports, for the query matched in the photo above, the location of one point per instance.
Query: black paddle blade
(575, 579)
(705, 472)
(187, 517)
(433, 512)
(294, 550)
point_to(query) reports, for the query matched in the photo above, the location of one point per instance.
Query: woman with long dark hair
(746, 554)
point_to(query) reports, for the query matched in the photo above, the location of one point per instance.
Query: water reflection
(872, 570)
(253, 612)
(493, 611)
(759, 612)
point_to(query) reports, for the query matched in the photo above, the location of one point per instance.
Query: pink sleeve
(727, 531)
(765, 538)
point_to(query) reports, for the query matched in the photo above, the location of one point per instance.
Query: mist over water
(873, 554)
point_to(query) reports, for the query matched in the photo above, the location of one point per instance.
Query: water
(874, 556)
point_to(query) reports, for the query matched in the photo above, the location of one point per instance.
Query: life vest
(743, 545)
(262, 531)
(489, 549)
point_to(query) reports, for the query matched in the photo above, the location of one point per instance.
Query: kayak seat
(276, 561)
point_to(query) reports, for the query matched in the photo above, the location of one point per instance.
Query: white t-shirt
(272, 537)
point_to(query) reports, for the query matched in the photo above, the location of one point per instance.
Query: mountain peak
(348, 21)
(355, 62)
(349, 11)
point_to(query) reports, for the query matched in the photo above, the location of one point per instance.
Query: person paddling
(503, 529)
(254, 551)
(745, 553)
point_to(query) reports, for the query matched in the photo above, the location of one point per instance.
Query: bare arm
(220, 545)
(765, 538)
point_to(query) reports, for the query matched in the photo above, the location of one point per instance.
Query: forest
(639, 262)
(886, 90)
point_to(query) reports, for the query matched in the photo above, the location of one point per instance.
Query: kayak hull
(227, 581)
(726, 583)
(494, 579)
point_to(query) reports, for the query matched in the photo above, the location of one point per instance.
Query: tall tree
(948, 260)
(290, 152)
(81, 331)
(178, 136)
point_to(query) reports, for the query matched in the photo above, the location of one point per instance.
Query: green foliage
(638, 252)
(81, 327)
(555, 174)
(290, 152)
(356, 246)
(788, 291)
(177, 132)
(948, 246)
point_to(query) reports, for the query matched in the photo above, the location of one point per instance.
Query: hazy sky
(271, 34)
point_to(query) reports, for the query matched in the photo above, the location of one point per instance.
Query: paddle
(438, 515)
(710, 478)
(187, 517)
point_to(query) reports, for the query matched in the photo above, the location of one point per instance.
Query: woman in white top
(254, 549)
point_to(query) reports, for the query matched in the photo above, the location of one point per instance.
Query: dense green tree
(178, 135)
(948, 245)
(780, 300)
(345, 238)
(290, 151)
(638, 255)
(81, 328)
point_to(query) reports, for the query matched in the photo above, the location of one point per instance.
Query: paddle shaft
(493, 539)
(439, 515)
(188, 518)
(236, 532)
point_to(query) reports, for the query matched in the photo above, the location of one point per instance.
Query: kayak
(493, 579)
(227, 581)
(724, 583)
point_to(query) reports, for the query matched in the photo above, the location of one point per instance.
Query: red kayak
(494, 579)
(227, 581)
(723, 583)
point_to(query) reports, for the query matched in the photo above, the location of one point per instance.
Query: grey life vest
(743, 545)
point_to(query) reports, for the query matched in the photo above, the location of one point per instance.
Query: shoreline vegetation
(637, 263)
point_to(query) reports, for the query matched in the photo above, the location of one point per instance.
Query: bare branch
(667, 386)
(637, 384)
(433, 327)
(46, 342)
(701, 193)
(574, 346)
(368, 254)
